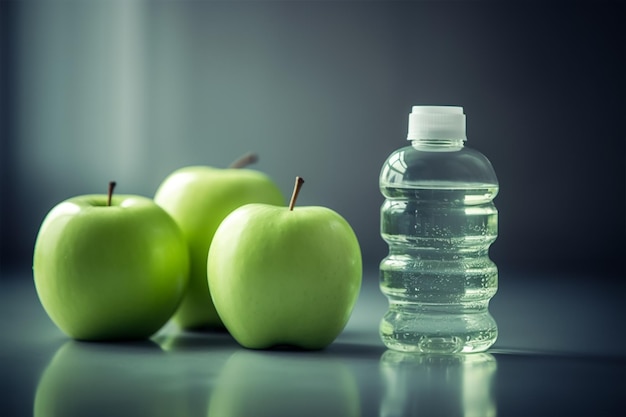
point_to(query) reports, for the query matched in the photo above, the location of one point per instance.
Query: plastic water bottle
(438, 220)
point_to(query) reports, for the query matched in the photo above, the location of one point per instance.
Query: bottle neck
(438, 145)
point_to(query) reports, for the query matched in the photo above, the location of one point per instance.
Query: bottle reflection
(438, 385)
(254, 383)
(92, 379)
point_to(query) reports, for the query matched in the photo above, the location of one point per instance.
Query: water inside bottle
(438, 276)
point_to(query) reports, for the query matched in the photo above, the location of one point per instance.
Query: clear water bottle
(438, 220)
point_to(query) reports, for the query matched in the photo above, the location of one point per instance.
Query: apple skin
(198, 198)
(110, 273)
(282, 277)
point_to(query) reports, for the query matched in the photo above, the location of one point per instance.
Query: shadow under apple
(284, 383)
(216, 342)
(106, 379)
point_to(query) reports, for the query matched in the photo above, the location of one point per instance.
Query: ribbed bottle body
(438, 276)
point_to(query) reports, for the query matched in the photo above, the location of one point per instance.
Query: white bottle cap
(436, 122)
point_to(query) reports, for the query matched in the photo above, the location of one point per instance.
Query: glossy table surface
(561, 351)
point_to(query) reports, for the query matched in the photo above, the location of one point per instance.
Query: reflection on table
(432, 385)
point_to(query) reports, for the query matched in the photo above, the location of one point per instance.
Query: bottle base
(436, 345)
(468, 341)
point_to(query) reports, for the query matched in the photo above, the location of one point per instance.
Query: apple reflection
(284, 383)
(92, 379)
(429, 385)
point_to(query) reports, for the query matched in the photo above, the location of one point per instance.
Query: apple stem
(110, 194)
(245, 160)
(296, 191)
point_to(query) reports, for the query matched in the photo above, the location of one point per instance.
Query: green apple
(284, 276)
(109, 268)
(199, 198)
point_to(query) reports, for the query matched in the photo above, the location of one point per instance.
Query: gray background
(98, 90)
